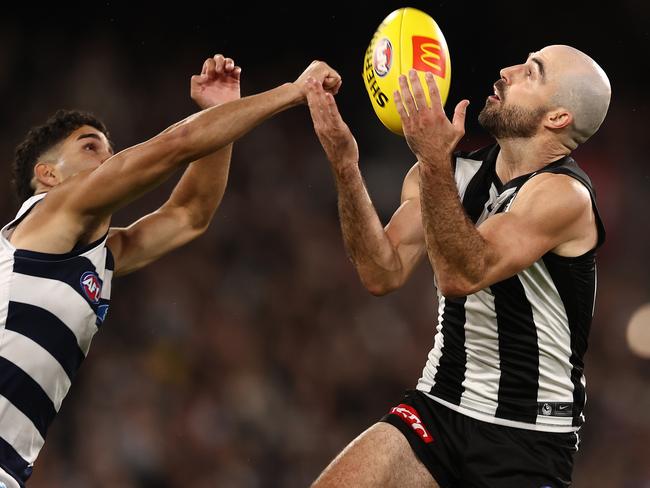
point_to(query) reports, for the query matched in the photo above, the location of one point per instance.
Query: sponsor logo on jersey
(411, 417)
(555, 409)
(428, 55)
(91, 286)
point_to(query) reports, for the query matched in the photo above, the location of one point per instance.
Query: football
(407, 38)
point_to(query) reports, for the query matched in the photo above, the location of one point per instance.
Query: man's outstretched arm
(384, 257)
(137, 170)
(194, 200)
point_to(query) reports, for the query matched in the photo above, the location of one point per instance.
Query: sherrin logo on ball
(407, 39)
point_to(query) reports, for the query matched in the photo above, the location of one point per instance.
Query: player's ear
(558, 118)
(45, 174)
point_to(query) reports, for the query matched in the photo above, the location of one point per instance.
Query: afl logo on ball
(91, 285)
(383, 57)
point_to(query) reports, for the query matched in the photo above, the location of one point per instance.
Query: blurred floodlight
(638, 331)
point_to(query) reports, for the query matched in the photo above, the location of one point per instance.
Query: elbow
(180, 145)
(190, 224)
(196, 216)
(197, 227)
(379, 287)
(378, 290)
(455, 287)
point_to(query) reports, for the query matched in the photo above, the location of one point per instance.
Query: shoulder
(555, 195)
(561, 184)
(411, 184)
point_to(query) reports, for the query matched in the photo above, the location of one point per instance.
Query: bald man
(510, 231)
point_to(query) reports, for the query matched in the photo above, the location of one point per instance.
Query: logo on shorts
(383, 57)
(91, 285)
(411, 417)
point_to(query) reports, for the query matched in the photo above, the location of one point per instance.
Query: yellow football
(407, 38)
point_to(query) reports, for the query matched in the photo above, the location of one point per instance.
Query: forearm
(201, 188)
(141, 168)
(456, 249)
(216, 127)
(365, 241)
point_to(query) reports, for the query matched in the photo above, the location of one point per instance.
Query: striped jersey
(51, 306)
(512, 353)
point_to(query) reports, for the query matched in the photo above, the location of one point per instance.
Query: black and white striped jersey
(51, 306)
(512, 353)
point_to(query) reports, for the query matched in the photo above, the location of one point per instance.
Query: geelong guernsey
(51, 306)
(512, 353)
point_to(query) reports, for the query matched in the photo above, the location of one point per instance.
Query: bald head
(582, 88)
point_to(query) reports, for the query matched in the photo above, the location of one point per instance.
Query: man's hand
(326, 76)
(333, 133)
(428, 131)
(218, 82)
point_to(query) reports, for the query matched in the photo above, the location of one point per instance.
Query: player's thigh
(380, 456)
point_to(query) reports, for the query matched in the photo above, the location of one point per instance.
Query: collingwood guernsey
(51, 306)
(512, 353)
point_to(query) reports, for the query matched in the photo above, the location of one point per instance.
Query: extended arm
(383, 257)
(195, 198)
(134, 171)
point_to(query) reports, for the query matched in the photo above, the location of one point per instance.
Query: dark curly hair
(41, 139)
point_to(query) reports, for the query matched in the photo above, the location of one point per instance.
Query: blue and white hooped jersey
(51, 306)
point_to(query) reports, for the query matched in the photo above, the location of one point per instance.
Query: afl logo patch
(382, 58)
(91, 286)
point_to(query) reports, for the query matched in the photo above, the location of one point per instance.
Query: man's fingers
(332, 110)
(337, 87)
(206, 64)
(406, 95)
(417, 90)
(434, 93)
(314, 100)
(322, 106)
(332, 83)
(401, 109)
(219, 62)
(210, 68)
(228, 65)
(459, 115)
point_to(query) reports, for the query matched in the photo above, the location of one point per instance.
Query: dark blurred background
(250, 357)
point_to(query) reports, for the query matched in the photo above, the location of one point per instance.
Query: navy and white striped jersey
(512, 353)
(51, 306)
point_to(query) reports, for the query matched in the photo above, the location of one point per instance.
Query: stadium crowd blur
(250, 357)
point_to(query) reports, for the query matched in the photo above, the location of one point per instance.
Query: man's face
(85, 148)
(521, 98)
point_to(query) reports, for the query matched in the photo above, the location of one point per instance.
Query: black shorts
(460, 451)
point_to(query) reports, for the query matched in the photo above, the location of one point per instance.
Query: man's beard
(509, 122)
